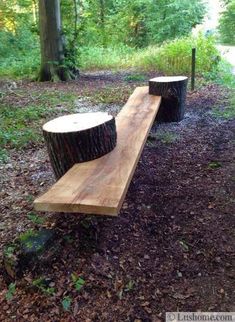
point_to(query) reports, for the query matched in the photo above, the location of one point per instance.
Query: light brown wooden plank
(100, 186)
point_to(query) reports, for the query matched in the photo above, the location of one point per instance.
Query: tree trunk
(102, 22)
(78, 138)
(51, 41)
(173, 91)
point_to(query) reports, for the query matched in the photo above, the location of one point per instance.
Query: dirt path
(171, 248)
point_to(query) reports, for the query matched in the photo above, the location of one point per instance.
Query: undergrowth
(15, 125)
(227, 111)
(110, 95)
(21, 125)
(172, 57)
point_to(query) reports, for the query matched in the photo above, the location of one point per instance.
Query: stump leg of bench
(173, 92)
(78, 138)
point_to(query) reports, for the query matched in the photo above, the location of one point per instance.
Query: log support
(173, 92)
(78, 138)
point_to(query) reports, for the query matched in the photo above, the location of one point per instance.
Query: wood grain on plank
(100, 186)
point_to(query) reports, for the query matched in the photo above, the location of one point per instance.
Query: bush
(175, 57)
(106, 58)
(171, 58)
(19, 53)
(227, 24)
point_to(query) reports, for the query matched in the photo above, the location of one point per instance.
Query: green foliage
(106, 58)
(105, 34)
(19, 126)
(166, 137)
(129, 286)
(228, 111)
(35, 218)
(214, 165)
(78, 281)
(11, 291)
(42, 284)
(135, 78)
(170, 19)
(172, 57)
(66, 303)
(175, 57)
(14, 125)
(20, 66)
(27, 234)
(107, 23)
(3, 155)
(19, 49)
(19, 52)
(222, 74)
(137, 23)
(9, 250)
(227, 24)
(184, 245)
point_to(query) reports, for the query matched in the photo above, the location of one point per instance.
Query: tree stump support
(173, 91)
(78, 138)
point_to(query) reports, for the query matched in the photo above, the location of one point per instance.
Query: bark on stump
(173, 91)
(78, 138)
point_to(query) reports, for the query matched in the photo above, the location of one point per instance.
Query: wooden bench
(99, 186)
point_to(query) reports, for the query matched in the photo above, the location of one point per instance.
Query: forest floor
(172, 246)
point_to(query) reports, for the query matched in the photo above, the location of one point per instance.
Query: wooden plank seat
(99, 186)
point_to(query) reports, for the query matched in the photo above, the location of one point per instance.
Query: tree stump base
(26, 250)
(173, 91)
(78, 138)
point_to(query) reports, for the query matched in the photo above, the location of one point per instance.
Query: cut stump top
(168, 79)
(76, 122)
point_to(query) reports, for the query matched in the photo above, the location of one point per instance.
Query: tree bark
(51, 41)
(78, 138)
(102, 22)
(173, 91)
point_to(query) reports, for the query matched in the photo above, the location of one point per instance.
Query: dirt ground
(170, 249)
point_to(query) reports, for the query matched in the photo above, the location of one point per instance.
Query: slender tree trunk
(52, 49)
(102, 22)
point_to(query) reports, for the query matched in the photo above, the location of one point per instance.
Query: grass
(21, 125)
(165, 137)
(222, 75)
(21, 65)
(93, 58)
(170, 58)
(214, 165)
(16, 129)
(22, 113)
(227, 111)
(135, 78)
(27, 235)
(3, 156)
(110, 95)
